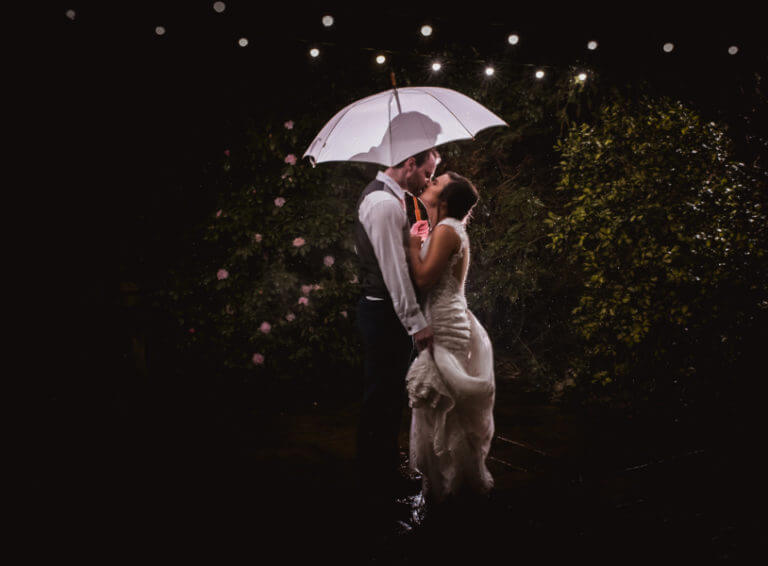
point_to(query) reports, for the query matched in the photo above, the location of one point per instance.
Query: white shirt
(384, 220)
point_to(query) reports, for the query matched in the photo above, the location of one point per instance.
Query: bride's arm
(445, 242)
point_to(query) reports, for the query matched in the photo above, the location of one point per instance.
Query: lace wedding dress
(452, 395)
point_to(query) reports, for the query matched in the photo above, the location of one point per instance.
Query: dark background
(134, 119)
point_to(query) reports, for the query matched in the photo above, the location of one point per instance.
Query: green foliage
(669, 234)
(282, 233)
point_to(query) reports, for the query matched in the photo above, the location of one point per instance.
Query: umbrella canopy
(390, 126)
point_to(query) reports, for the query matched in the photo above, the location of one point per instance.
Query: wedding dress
(452, 394)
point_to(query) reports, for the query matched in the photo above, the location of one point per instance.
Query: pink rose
(344, 314)
(288, 125)
(303, 301)
(218, 214)
(298, 242)
(265, 327)
(420, 229)
(290, 159)
(279, 201)
(328, 260)
(290, 317)
(226, 152)
(258, 359)
(257, 237)
(222, 274)
(305, 289)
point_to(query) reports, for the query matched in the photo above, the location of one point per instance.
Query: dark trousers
(388, 354)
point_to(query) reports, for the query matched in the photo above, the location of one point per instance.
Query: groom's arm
(384, 221)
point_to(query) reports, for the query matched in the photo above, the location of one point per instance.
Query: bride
(451, 386)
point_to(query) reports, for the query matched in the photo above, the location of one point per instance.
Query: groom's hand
(424, 338)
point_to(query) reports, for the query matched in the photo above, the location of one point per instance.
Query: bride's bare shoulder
(446, 236)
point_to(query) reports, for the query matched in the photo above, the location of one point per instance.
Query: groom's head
(413, 173)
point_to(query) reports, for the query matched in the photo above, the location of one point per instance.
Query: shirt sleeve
(384, 221)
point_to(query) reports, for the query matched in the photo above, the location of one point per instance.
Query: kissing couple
(420, 337)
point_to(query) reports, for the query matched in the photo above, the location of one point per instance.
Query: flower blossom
(290, 317)
(257, 237)
(226, 152)
(279, 201)
(298, 242)
(288, 125)
(344, 314)
(303, 301)
(258, 359)
(218, 214)
(328, 260)
(191, 330)
(305, 289)
(222, 274)
(265, 327)
(316, 287)
(290, 159)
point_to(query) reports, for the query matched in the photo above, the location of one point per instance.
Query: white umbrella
(390, 126)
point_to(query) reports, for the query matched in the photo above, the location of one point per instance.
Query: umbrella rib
(452, 114)
(346, 110)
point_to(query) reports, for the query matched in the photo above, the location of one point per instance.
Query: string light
(513, 39)
(327, 21)
(426, 31)
(668, 47)
(314, 52)
(242, 42)
(70, 14)
(489, 71)
(592, 45)
(219, 7)
(380, 59)
(733, 50)
(160, 30)
(539, 74)
(436, 66)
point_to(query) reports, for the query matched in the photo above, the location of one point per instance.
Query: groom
(388, 316)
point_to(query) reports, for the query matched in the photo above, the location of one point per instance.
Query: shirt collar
(392, 184)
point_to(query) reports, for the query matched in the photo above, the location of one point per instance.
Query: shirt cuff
(415, 323)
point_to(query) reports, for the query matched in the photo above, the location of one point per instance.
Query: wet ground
(203, 476)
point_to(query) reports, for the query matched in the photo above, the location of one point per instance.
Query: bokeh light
(592, 45)
(436, 66)
(328, 21)
(219, 7)
(513, 39)
(733, 50)
(668, 47)
(160, 30)
(70, 14)
(242, 42)
(539, 74)
(582, 76)
(380, 59)
(314, 52)
(426, 31)
(489, 71)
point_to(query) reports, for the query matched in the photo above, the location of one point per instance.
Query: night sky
(136, 115)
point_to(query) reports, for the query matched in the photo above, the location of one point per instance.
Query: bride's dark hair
(460, 195)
